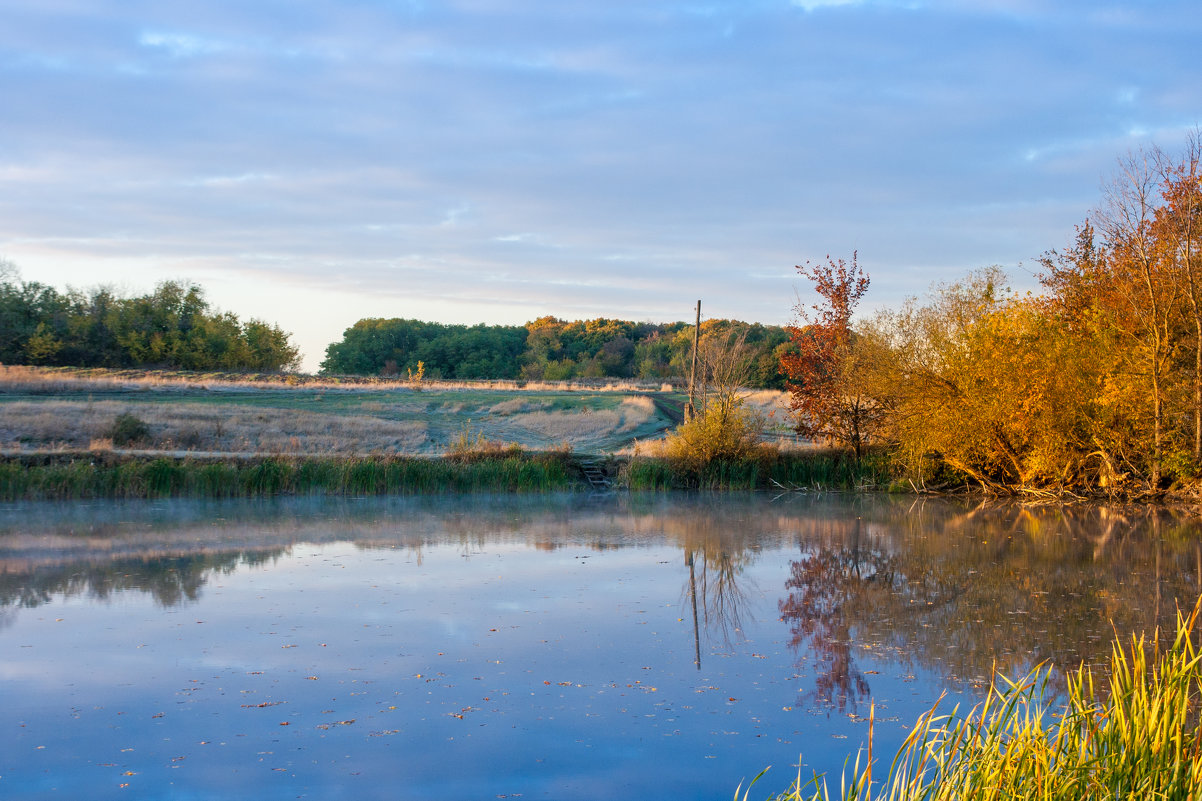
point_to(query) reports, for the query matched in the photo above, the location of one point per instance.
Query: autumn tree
(823, 368)
(1129, 287)
(1178, 227)
(1149, 290)
(989, 383)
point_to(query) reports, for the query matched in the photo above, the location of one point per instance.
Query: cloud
(810, 5)
(182, 45)
(411, 152)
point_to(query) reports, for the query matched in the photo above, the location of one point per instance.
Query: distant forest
(173, 327)
(549, 349)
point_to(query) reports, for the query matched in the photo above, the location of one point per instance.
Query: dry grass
(201, 423)
(68, 424)
(517, 406)
(53, 380)
(223, 413)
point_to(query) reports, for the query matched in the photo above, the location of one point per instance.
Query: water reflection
(717, 592)
(962, 591)
(940, 585)
(824, 587)
(639, 645)
(170, 580)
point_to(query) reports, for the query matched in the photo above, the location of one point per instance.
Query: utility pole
(691, 409)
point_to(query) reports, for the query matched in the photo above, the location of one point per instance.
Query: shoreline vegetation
(85, 475)
(221, 434)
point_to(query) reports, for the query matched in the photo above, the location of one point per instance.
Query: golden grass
(417, 423)
(198, 427)
(1141, 737)
(51, 380)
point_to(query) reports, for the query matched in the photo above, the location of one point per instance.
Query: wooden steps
(595, 475)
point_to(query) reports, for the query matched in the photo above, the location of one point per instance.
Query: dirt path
(669, 407)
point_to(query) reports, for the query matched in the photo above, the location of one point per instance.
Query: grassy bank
(818, 469)
(113, 474)
(1140, 736)
(109, 475)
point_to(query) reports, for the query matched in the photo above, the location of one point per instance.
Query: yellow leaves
(1005, 392)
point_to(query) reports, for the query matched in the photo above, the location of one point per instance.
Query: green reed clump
(811, 470)
(650, 474)
(1140, 738)
(834, 469)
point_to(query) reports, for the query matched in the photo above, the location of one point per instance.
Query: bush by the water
(1140, 737)
(720, 449)
(725, 431)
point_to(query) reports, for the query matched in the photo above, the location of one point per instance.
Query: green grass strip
(111, 476)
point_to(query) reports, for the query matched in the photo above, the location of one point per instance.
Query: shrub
(725, 432)
(472, 446)
(128, 430)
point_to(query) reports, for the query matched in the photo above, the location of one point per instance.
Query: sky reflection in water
(463, 648)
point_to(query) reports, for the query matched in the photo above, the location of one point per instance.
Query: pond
(565, 646)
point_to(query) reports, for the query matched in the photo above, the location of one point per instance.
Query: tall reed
(1139, 737)
(803, 470)
(93, 476)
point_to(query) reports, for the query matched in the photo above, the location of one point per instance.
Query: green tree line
(548, 349)
(172, 327)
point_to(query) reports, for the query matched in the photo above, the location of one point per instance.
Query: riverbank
(68, 475)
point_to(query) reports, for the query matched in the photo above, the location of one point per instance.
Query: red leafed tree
(827, 401)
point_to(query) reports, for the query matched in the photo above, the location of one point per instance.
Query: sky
(315, 162)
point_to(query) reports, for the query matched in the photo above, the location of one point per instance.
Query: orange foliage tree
(821, 369)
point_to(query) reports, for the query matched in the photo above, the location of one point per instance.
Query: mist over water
(534, 647)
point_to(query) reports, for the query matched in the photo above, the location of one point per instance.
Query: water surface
(549, 647)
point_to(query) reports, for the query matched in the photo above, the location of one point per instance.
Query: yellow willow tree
(992, 385)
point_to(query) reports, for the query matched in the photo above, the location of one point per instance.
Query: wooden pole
(691, 409)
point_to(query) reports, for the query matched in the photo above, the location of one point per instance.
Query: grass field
(57, 410)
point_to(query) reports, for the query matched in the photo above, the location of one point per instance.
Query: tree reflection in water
(964, 590)
(822, 586)
(952, 587)
(170, 580)
(716, 592)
